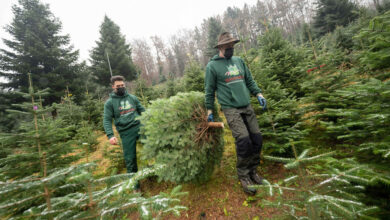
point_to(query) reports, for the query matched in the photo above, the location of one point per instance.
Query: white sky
(136, 18)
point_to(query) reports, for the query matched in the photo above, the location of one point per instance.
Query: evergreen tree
(43, 135)
(111, 47)
(375, 43)
(194, 77)
(8, 122)
(171, 89)
(214, 29)
(92, 111)
(278, 56)
(279, 123)
(37, 47)
(323, 188)
(363, 123)
(74, 193)
(333, 13)
(382, 6)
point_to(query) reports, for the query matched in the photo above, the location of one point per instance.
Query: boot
(256, 178)
(245, 182)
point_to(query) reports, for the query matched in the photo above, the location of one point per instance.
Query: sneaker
(256, 178)
(245, 182)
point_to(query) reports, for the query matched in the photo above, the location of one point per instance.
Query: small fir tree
(278, 123)
(44, 134)
(278, 56)
(194, 77)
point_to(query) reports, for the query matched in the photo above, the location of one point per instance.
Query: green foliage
(85, 134)
(279, 123)
(143, 91)
(174, 86)
(8, 122)
(171, 88)
(325, 187)
(115, 156)
(89, 111)
(279, 57)
(214, 29)
(333, 13)
(43, 135)
(175, 133)
(76, 194)
(321, 85)
(113, 44)
(383, 6)
(69, 111)
(375, 42)
(92, 111)
(37, 47)
(363, 123)
(194, 77)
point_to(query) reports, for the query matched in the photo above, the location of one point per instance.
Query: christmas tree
(175, 133)
(45, 134)
(112, 51)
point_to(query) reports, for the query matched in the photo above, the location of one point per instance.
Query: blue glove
(210, 118)
(263, 102)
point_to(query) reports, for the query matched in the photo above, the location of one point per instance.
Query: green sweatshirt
(232, 81)
(123, 109)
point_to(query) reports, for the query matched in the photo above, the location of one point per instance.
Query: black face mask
(228, 53)
(120, 91)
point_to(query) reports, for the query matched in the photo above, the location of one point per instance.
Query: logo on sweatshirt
(125, 107)
(232, 71)
(233, 74)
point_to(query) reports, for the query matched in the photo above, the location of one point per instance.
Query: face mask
(228, 52)
(120, 91)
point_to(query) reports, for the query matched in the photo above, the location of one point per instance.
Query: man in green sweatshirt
(231, 79)
(123, 108)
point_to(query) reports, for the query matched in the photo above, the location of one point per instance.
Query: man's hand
(210, 117)
(262, 101)
(113, 141)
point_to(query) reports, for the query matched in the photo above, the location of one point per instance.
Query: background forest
(323, 66)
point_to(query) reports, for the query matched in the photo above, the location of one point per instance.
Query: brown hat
(226, 38)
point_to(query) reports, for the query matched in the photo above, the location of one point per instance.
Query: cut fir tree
(175, 133)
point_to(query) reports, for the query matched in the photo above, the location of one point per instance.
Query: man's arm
(107, 119)
(139, 106)
(250, 83)
(210, 86)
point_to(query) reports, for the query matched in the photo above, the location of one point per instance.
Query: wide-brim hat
(226, 38)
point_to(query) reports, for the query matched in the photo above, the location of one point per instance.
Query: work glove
(262, 102)
(210, 118)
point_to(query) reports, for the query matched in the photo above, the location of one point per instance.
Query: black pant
(246, 132)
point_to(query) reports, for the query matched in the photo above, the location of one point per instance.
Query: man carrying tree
(123, 108)
(231, 79)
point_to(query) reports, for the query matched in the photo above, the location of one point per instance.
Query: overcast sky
(136, 18)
